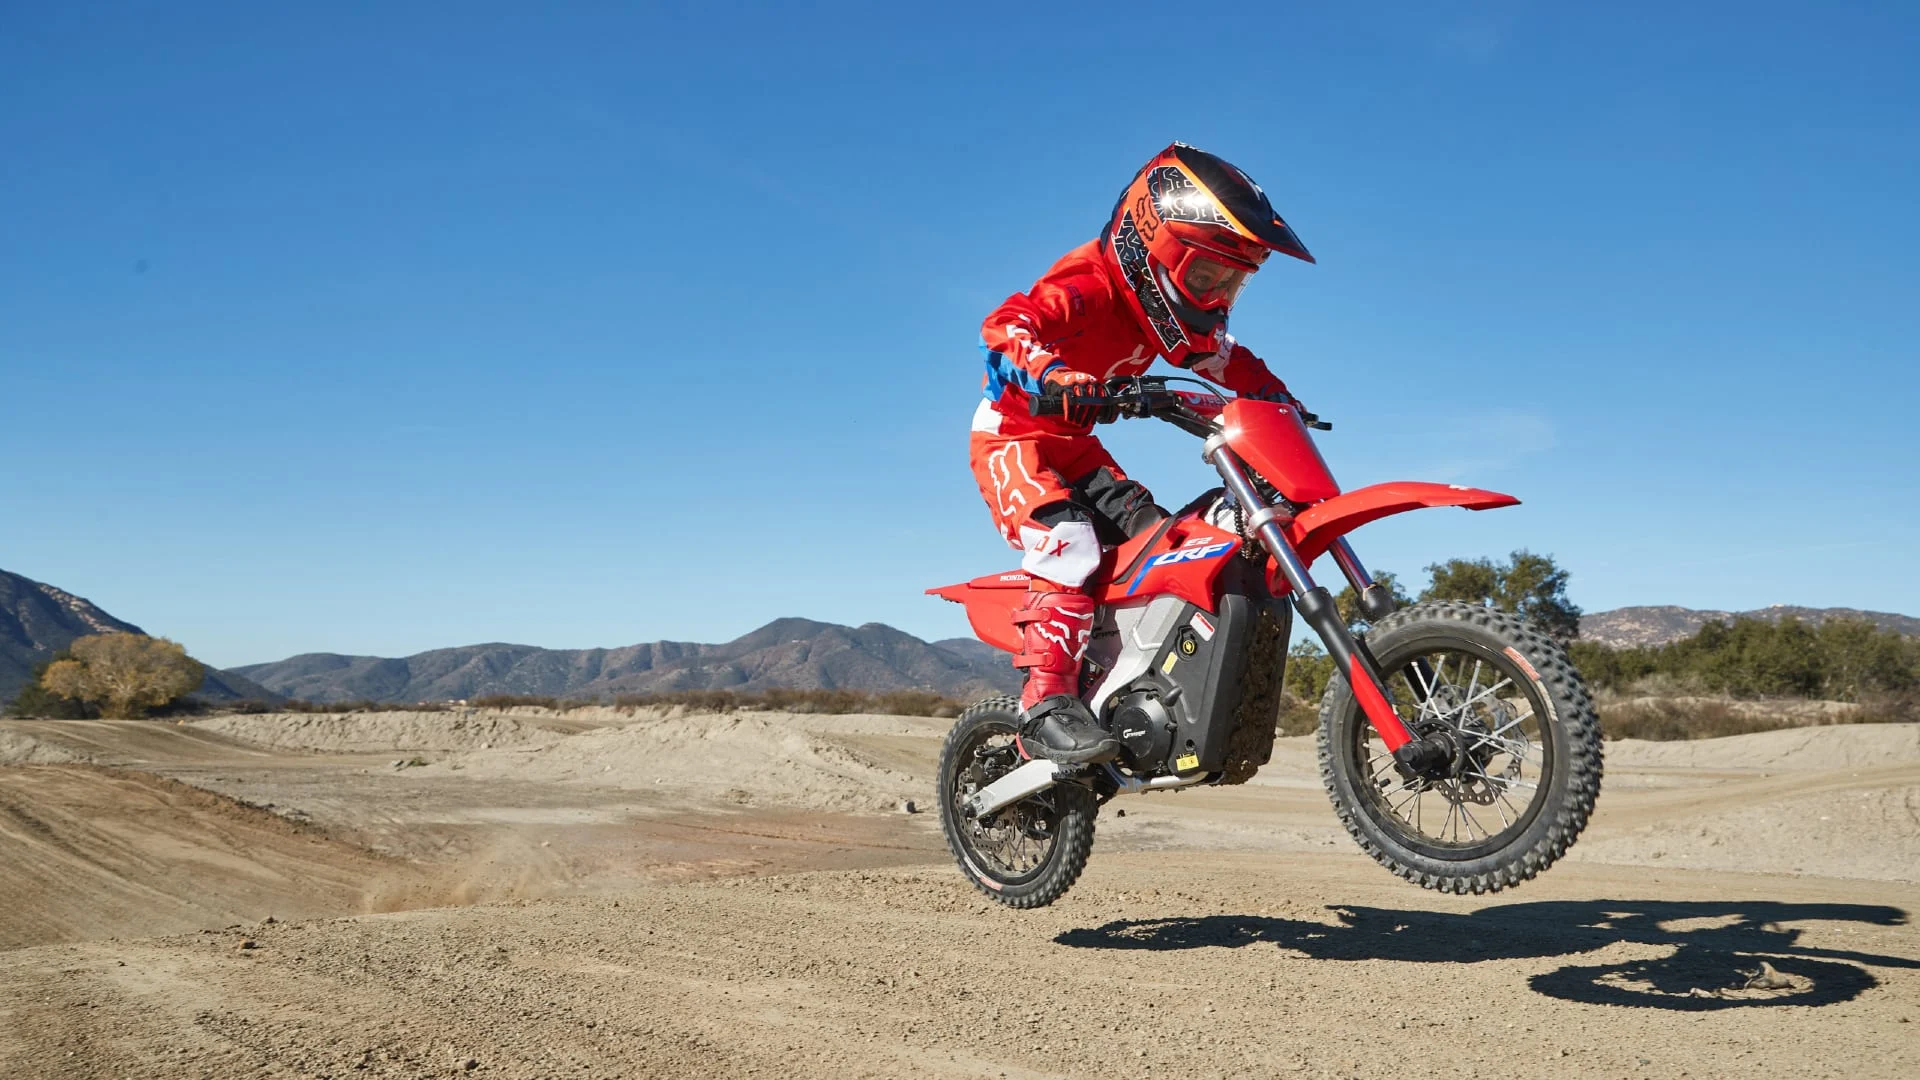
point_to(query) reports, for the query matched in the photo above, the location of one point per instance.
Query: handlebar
(1148, 395)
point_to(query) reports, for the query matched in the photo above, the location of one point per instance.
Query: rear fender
(1319, 525)
(990, 602)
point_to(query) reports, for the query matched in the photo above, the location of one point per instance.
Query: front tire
(1526, 740)
(1025, 855)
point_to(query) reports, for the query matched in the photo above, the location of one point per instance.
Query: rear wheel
(1025, 855)
(1525, 764)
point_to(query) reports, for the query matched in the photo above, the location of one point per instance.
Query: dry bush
(362, 706)
(1669, 719)
(527, 701)
(917, 703)
(124, 675)
(778, 699)
(1298, 716)
(1901, 708)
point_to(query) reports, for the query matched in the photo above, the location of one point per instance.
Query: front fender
(1319, 525)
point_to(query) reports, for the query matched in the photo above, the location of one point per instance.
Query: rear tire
(1025, 855)
(1527, 678)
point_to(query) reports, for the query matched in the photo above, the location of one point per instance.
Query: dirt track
(648, 931)
(1208, 966)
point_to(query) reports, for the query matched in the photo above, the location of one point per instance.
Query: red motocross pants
(1058, 498)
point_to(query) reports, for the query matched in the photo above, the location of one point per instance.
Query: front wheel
(1525, 765)
(1025, 855)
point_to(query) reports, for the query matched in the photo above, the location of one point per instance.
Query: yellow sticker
(1172, 659)
(1189, 761)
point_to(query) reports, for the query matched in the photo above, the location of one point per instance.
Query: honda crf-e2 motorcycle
(1458, 744)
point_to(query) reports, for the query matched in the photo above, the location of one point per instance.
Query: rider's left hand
(1275, 391)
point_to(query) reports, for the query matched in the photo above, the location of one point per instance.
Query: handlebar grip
(1046, 405)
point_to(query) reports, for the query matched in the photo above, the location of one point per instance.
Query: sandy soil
(698, 895)
(91, 852)
(350, 732)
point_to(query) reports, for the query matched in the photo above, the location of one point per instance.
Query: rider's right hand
(1075, 389)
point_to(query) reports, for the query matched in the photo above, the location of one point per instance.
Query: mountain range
(1629, 626)
(37, 620)
(798, 653)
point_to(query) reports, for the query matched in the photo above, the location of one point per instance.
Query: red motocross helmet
(1185, 236)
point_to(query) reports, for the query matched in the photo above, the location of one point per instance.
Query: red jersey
(1075, 317)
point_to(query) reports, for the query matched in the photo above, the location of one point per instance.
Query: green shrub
(1840, 660)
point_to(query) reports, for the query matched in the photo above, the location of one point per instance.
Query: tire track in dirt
(1156, 965)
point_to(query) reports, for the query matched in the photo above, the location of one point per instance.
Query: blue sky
(366, 328)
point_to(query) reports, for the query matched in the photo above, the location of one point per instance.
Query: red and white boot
(1055, 627)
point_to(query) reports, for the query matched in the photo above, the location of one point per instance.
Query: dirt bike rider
(1187, 233)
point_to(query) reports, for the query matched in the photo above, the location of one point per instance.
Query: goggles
(1210, 283)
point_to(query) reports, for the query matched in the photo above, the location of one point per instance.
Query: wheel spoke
(1528, 715)
(1468, 814)
(1501, 793)
(1490, 717)
(1412, 796)
(1482, 695)
(1504, 782)
(1007, 846)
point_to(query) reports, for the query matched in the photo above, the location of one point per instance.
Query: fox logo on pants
(1068, 553)
(1006, 489)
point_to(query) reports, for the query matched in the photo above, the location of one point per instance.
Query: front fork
(1316, 606)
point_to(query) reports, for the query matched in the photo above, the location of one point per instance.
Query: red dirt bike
(1455, 713)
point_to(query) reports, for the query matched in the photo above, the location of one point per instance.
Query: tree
(1348, 602)
(1530, 585)
(1309, 669)
(37, 701)
(124, 674)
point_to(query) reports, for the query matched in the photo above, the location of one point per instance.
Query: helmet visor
(1212, 284)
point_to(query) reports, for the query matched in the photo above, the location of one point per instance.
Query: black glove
(1275, 391)
(1075, 390)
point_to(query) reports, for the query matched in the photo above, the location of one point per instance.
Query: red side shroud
(1184, 560)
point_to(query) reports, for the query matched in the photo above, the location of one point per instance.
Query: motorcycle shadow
(1726, 954)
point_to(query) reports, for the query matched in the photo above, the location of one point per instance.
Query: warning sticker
(1201, 626)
